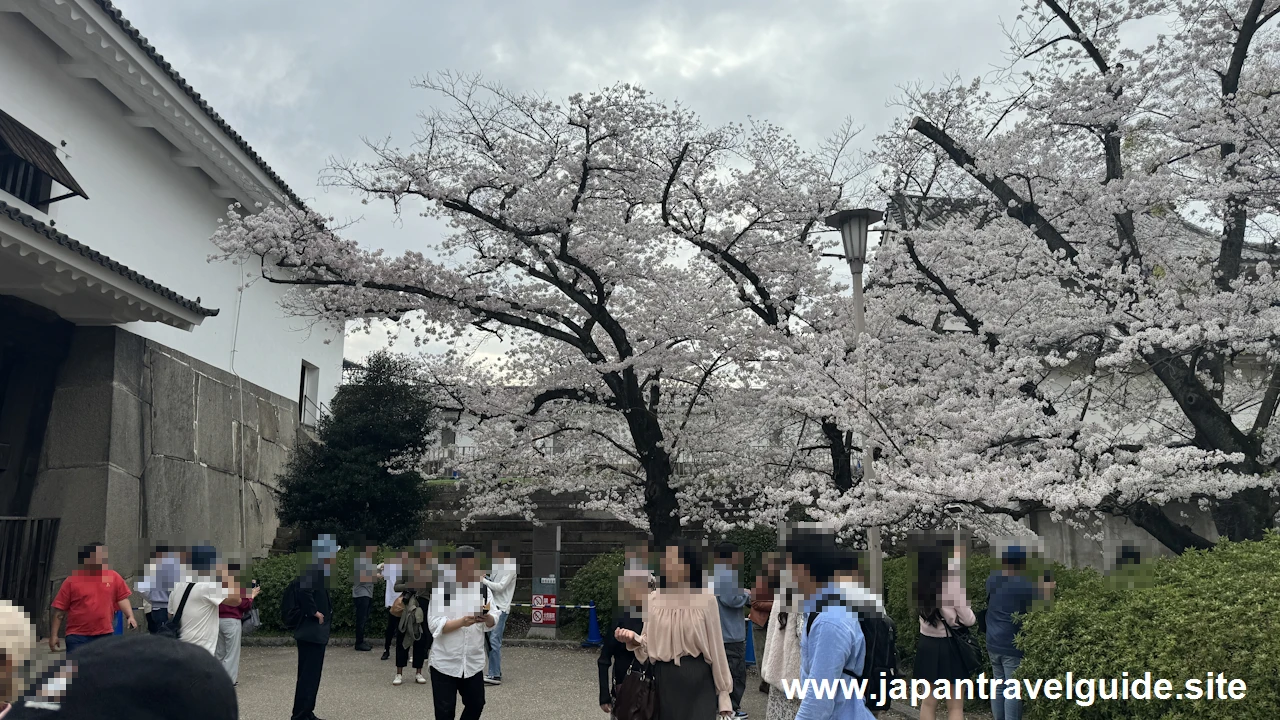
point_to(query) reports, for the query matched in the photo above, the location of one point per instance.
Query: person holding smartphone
(459, 618)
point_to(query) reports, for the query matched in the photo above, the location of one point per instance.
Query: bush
(598, 581)
(275, 574)
(753, 543)
(1204, 611)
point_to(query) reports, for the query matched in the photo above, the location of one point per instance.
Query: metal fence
(26, 562)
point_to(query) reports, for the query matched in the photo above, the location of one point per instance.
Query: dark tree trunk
(661, 506)
(841, 458)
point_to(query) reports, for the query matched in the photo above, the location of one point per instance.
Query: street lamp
(853, 226)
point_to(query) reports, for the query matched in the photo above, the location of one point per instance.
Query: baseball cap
(141, 677)
(325, 547)
(1015, 553)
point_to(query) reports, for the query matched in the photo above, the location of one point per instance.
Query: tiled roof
(16, 215)
(128, 28)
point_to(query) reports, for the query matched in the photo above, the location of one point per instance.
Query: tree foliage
(360, 478)
(1077, 308)
(621, 246)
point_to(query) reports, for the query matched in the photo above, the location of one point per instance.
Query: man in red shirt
(88, 600)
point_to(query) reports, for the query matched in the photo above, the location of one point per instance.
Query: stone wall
(146, 445)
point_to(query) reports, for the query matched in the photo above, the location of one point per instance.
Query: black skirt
(686, 691)
(937, 659)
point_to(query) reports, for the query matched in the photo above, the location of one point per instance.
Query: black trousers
(421, 648)
(310, 667)
(362, 616)
(392, 623)
(445, 690)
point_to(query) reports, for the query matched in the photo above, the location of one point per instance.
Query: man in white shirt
(211, 585)
(458, 619)
(502, 585)
(390, 571)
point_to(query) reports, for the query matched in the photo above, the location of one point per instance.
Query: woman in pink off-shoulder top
(681, 637)
(942, 604)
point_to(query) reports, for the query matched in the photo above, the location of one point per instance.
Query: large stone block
(173, 408)
(127, 435)
(77, 496)
(247, 453)
(177, 503)
(91, 357)
(215, 423)
(224, 509)
(268, 420)
(272, 459)
(123, 527)
(288, 425)
(261, 522)
(79, 431)
(129, 352)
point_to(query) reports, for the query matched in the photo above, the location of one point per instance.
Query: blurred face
(100, 556)
(673, 567)
(468, 570)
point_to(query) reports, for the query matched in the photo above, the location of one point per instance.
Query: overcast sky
(304, 80)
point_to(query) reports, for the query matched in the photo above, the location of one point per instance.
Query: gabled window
(29, 167)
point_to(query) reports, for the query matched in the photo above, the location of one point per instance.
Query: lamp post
(853, 226)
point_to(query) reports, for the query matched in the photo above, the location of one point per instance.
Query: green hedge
(598, 581)
(275, 574)
(1204, 611)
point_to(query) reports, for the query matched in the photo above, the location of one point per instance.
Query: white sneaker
(398, 679)
(420, 680)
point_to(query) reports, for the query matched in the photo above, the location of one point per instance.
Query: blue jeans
(495, 646)
(1003, 667)
(74, 642)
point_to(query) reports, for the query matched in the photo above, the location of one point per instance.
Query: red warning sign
(544, 610)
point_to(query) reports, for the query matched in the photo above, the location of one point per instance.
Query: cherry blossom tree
(620, 248)
(1076, 310)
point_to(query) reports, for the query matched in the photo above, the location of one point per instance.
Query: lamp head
(853, 226)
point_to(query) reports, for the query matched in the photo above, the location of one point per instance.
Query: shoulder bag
(173, 628)
(636, 697)
(250, 622)
(965, 646)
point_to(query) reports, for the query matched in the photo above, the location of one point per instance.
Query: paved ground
(537, 684)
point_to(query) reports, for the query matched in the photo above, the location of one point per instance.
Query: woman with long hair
(943, 608)
(681, 637)
(781, 658)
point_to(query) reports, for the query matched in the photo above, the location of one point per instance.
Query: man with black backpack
(833, 646)
(306, 609)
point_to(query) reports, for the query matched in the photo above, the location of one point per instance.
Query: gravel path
(537, 684)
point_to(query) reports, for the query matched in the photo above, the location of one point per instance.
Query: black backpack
(881, 658)
(290, 608)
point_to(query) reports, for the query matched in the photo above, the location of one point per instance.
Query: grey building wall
(1075, 548)
(146, 445)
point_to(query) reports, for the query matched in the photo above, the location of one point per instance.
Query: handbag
(397, 607)
(636, 697)
(965, 647)
(250, 621)
(173, 627)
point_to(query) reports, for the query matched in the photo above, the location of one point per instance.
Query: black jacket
(313, 595)
(615, 653)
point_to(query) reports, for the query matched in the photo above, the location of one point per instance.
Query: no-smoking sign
(537, 617)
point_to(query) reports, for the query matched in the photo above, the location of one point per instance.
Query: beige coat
(782, 645)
